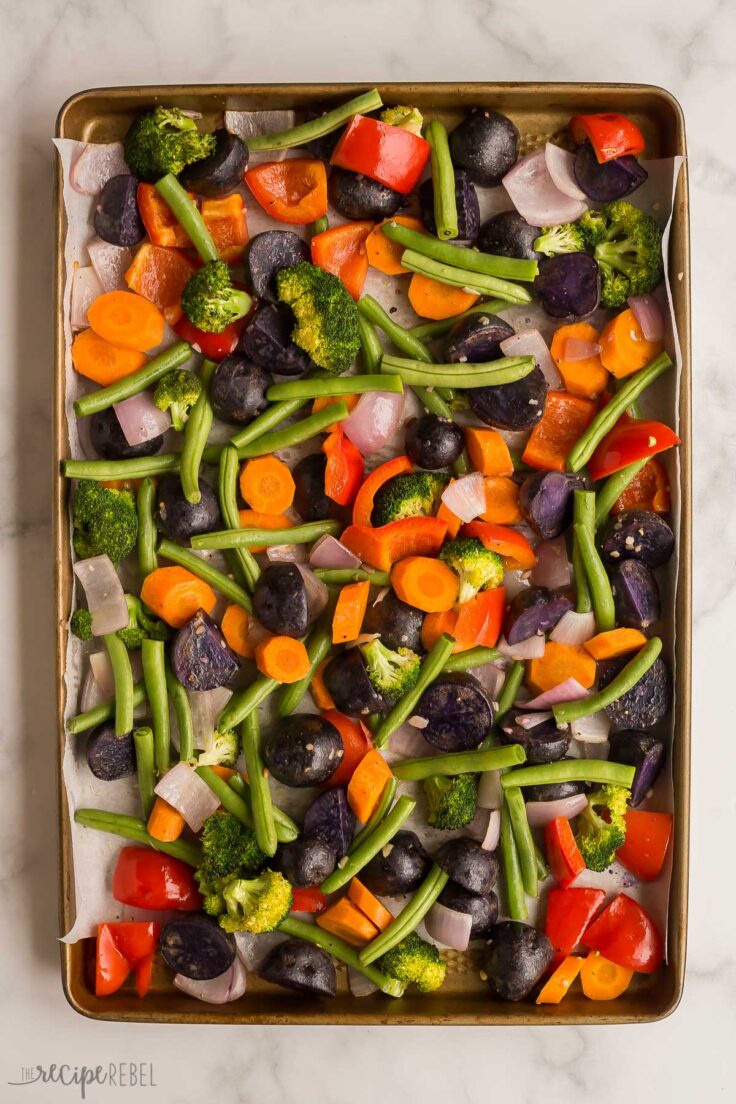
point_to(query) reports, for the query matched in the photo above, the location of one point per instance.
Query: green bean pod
(342, 575)
(443, 181)
(245, 701)
(460, 375)
(255, 538)
(581, 516)
(464, 278)
(613, 488)
(371, 349)
(187, 214)
(123, 679)
(458, 256)
(226, 486)
(286, 829)
(196, 432)
(296, 433)
(337, 385)
(83, 722)
(370, 309)
(600, 585)
(377, 816)
(471, 657)
(634, 670)
(183, 714)
(104, 397)
(523, 839)
(316, 128)
(145, 768)
(260, 792)
(153, 658)
(515, 899)
(459, 762)
(203, 570)
(352, 864)
(104, 471)
(147, 536)
(409, 918)
(601, 771)
(132, 828)
(229, 800)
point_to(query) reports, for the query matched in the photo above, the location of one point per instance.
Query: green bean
(144, 762)
(340, 575)
(203, 570)
(229, 800)
(373, 312)
(187, 215)
(515, 899)
(316, 128)
(605, 420)
(123, 678)
(371, 349)
(459, 762)
(490, 374)
(153, 658)
(426, 331)
(245, 701)
(107, 470)
(488, 264)
(432, 665)
(83, 722)
(226, 487)
(196, 432)
(581, 515)
(509, 690)
(274, 416)
(613, 488)
(319, 226)
(463, 278)
(132, 828)
(634, 408)
(294, 434)
(255, 538)
(346, 385)
(342, 951)
(136, 382)
(634, 670)
(183, 714)
(318, 647)
(461, 466)
(443, 181)
(600, 771)
(146, 541)
(472, 657)
(260, 792)
(600, 585)
(523, 839)
(377, 816)
(542, 868)
(286, 830)
(371, 845)
(409, 918)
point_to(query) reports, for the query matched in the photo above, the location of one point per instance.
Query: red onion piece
(491, 679)
(535, 195)
(574, 628)
(247, 124)
(86, 287)
(97, 163)
(577, 349)
(531, 343)
(329, 553)
(593, 729)
(254, 949)
(466, 497)
(552, 569)
(105, 595)
(569, 690)
(374, 421)
(206, 706)
(140, 419)
(540, 813)
(450, 928)
(218, 990)
(101, 668)
(110, 262)
(528, 721)
(485, 827)
(90, 694)
(533, 648)
(286, 553)
(649, 315)
(560, 167)
(514, 582)
(317, 592)
(490, 794)
(189, 794)
(360, 985)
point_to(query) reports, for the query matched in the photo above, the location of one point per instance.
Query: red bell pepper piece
(625, 934)
(628, 442)
(293, 191)
(151, 880)
(311, 899)
(159, 220)
(479, 620)
(609, 134)
(356, 744)
(563, 853)
(160, 274)
(342, 252)
(393, 156)
(504, 540)
(647, 840)
(569, 912)
(649, 490)
(122, 947)
(213, 346)
(344, 469)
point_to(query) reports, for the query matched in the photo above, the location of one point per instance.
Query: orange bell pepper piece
(341, 251)
(293, 191)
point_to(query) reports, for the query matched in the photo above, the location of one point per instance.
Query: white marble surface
(52, 48)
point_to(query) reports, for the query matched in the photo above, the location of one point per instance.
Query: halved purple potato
(109, 756)
(513, 406)
(533, 612)
(637, 535)
(347, 682)
(472, 868)
(398, 868)
(329, 818)
(303, 750)
(466, 199)
(516, 958)
(182, 520)
(477, 339)
(238, 389)
(280, 600)
(608, 181)
(458, 712)
(116, 218)
(266, 254)
(483, 911)
(486, 145)
(266, 340)
(200, 657)
(644, 752)
(295, 964)
(398, 624)
(508, 234)
(635, 595)
(222, 171)
(554, 791)
(359, 197)
(646, 703)
(305, 862)
(196, 946)
(568, 286)
(547, 498)
(545, 743)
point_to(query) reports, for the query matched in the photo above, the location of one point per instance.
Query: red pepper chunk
(122, 948)
(569, 912)
(342, 252)
(356, 744)
(344, 469)
(151, 880)
(625, 934)
(389, 154)
(628, 442)
(213, 346)
(563, 853)
(611, 135)
(311, 899)
(647, 840)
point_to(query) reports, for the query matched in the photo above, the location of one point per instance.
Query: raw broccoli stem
(349, 385)
(254, 538)
(601, 595)
(103, 471)
(136, 382)
(581, 516)
(341, 951)
(409, 918)
(319, 226)
(153, 659)
(523, 839)
(339, 576)
(459, 762)
(515, 899)
(203, 570)
(377, 816)
(613, 488)
(443, 180)
(634, 670)
(187, 215)
(457, 256)
(427, 331)
(183, 714)
(473, 657)
(371, 845)
(227, 480)
(286, 829)
(146, 543)
(83, 722)
(372, 311)
(123, 678)
(144, 761)
(229, 800)
(119, 824)
(432, 665)
(316, 128)
(295, 434)
(318, 647)
(245, 701)
(260, 792)
(571, 770)
(196, 432)
(605, 420)
(476, 282)
(371, 349)
(490, 374)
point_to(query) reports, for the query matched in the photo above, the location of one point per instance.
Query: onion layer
(649, 315)
(485, 827)
(539, 813)
(86, 287)
(450, 928)
(466, 497)
(569, 690)
(560, 167)
(105, 595)
(218, 990)
(97, 163)
(110, 262)
(182, 788)
(532, 648)
(374, 421)
(593, 729)
(535, 195)
(317, 592)
(552, 569)
(140, 419)
(329, 553)
(531, 343)
(490, 793)
(574, 628)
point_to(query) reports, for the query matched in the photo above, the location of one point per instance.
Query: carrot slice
(604, 980)
(160, 275)
(320, 694)
(226, 221)
(385, 545)
(165, 822)
(102, 362)
(488, 452)
(341, 251)
(479, 620)
(363, 505)
(385, 255)
(349, 612)
(557, 986)
(429, 585)
(565, 419)
(267, 485)
(432, 299)
(560, 662)
(435, 624)
(377, 913)
(502, 501)
(175, 594)
(648, 490)
(617, 642)
(282, 658)
(509, 543)
(586, 377)
(235, 625)
(346, 920)
(624, 349)
(126, 319)
(367, 784)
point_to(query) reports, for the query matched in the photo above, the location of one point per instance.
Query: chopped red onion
(532, 648)
(535, 195)
(531, 343)
(466, 497)
(552, 569)
(514, 582)
(253, 950)
(574, 628)
(140, 419)
(539, 813)
(317, 592)
(206, 706)
(101, 668)
(105, 595)
(248, 124)
(360, 985)
(381, 595)
(406, 743)
(90, 695)
(110, 262)
(450, 928)
(86, 287)
(97, 163)
(648, 314)
(529, 721)
(490, 793)
(593, 729)
(569, 690)
(182, 788)
(577, 349)
(218, 990)
(485, 827)
(374, 421)
(560, 167)
(330, 554)
(286, 553)
(362, 638)
(491, 678)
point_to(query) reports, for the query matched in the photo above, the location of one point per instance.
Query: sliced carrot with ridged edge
(175, 594)
(98, 360)
(425, 583)
(282, 658)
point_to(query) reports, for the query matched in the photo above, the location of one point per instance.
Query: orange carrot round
(282, 658)
(175, 594)
(587, 377)
(126, 319)
(429, 585)
(432, 299)
(102, 362)
(384, 254)
(624, 349)
(235, 625)
(604, 980)
(267, 485)
(560, 662)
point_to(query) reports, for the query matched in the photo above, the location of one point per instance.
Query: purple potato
(477, 339)
(182, 520)
(400, 867)
(398, 624)
(280, 600)
(269, 252)
(266, 340)
(644, 752)
(200, 657)
(238, 390)
(568, 286)
(646, 703)
(305, 862)
(516, 957)
(359, 197)
(466, 199)
(472, 868)
(545, 743)
(554, 791)
(310, 500)
(483, 911)
(432, 442)
(347, 682)
(533, 612)
(513, 406)
(608, 181)
(303, 750)
(635, 595)
(637, 535)
(547, 499)
(458, 711)
(295, 964)
(509, 235)
(109, 440)
(222, 171)
(109, 756)
(116, 218)
(196, 946)
(486, 145)
(329, 818)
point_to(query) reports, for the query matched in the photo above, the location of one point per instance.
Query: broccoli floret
(408, 118)
(141, 625)
(554, 240)
(223, 751)
(414, 961)
(163, 141)
(105, 521)
(81, 624)
(391, 673)
(414, 494)
(451, 801)
(477, 566)
(602, 826)
(176, 392)
(229, 850)
(326, 315)
(628, 248)
(257, 904)
(210, 301)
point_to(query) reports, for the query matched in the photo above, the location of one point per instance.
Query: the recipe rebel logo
(118, 1075)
